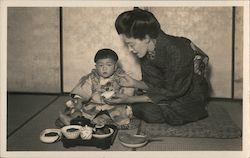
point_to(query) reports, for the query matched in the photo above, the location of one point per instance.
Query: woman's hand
(127, 81)
(125, 99)
(118, 99)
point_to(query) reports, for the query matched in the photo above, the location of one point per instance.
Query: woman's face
(105, 67)
(136, 46)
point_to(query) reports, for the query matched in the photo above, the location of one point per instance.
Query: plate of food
(50, 135)
(132, 141)
(103, 132)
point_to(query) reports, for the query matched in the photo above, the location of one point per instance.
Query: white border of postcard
(147, 154)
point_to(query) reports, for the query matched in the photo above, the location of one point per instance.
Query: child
(88, 95)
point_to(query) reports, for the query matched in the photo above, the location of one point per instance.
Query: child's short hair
(106, 53)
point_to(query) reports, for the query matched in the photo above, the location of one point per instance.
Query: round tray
(135, 145)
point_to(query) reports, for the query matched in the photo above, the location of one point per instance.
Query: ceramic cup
(86, 132)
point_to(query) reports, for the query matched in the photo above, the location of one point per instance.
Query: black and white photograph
(125, 79)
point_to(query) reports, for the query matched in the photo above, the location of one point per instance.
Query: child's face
(105, 67)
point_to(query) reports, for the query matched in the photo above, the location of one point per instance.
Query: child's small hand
(70, 104)
(78, 104)
(117, 99)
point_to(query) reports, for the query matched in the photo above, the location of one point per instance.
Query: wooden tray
(104, 143)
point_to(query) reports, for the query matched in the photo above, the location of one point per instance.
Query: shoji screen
(33, 63)
(85, 31)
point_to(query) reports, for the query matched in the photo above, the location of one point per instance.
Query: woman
(174, 88)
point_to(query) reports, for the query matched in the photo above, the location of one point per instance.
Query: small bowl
(101, 136)
(71, 131)
(99, 126)
(50, 135)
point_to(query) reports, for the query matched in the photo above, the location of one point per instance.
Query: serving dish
(50, 135)
(103, 142)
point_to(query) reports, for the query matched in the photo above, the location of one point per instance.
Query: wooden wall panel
(238, 78)
(33, 63)
(34, 56)
(85, 31)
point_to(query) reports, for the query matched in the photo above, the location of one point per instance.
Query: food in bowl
(50, 135)
(71, 131)
(104, 130)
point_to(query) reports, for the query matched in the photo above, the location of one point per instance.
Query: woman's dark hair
(137, 23)
(106, 53)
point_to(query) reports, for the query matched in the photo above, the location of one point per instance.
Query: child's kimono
(93, 84)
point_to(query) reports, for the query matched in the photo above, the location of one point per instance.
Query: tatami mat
(192, 144)
(22, 107)
(234, 109)
(27, 137)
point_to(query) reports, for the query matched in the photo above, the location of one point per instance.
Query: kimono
(93, 84)
(175, 74)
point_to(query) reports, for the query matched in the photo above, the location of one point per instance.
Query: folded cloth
(217, 125)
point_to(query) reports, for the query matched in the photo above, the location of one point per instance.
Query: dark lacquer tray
(103, 143)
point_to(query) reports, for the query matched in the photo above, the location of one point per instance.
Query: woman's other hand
(125, 99)
(128, 81)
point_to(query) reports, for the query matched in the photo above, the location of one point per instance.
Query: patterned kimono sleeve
(83, 89)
